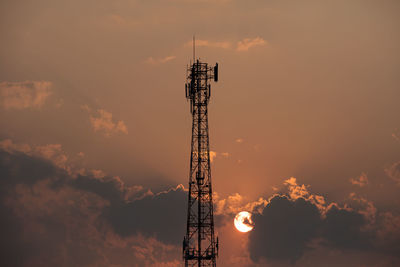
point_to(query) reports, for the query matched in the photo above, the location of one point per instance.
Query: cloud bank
(52, 214)
(295, 223)
(50, 217)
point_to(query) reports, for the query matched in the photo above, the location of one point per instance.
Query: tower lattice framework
(200, 246)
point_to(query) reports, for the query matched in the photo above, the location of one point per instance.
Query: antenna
(194, 48)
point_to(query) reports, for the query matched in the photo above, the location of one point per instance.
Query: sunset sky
(95, 130)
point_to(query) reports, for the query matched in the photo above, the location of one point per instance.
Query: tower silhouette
(200, 246)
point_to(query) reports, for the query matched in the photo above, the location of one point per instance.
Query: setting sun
(243, 222)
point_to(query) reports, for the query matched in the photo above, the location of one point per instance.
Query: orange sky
(308, 89)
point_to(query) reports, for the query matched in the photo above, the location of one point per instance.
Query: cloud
(206, 43)
(52, 152)
(225, 154)
(144, 216)
(389, 233)
(92, 219)
(49, 216)
(243, 45)
(98, 173)
(236, 203)
(213, 155)
(283, 229)
(157, 61)
(360, 181)
(396, 135)
(22, 95)
(248, 43)
(393, 171)
(102, 121)
(295, 223)
(342, 229)
(11, 147)
(296, 191)
(230, 205)
(364, 207)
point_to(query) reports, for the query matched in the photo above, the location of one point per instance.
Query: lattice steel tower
(200, 246)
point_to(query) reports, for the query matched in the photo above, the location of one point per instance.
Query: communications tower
(200, 246)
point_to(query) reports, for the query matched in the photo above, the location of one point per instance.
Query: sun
(243, 222)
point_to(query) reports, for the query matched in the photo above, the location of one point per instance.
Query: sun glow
(243, 222)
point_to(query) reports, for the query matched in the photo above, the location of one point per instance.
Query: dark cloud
(10, 246)
(34, 225)
(49, 217)
(342, 229)
(20, 168)
(106, 188)
(162, 215)
(283, 229)
(288, 228)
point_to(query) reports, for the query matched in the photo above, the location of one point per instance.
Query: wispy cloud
(239, 140)
(156, 61)
(396, 135)
(361, 180)
(206, 43)
(102, 121)
(21, 95)
(248, 43)
(213, 155)
(225, 154)
(393, 171)
(240, 46)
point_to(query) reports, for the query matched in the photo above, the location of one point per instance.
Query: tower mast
(200, 246)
